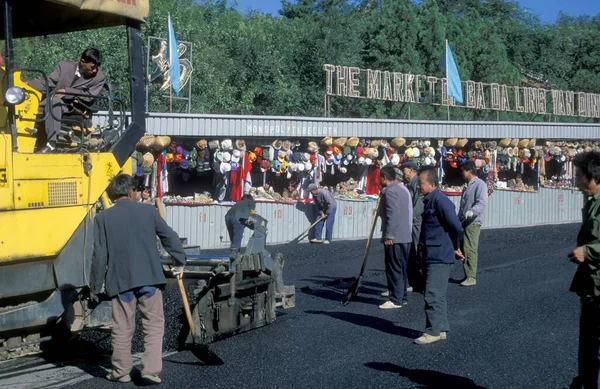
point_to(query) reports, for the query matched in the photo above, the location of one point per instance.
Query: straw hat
(276, 144)
(514, 142)
(146, 142)
(398, 142)
(340, 142)
(375, 143)
(201, 144)
(240, 144)
(523, 143)
(409, 152)
(161, 142)
(451, 142)
(477, 144)
(532, 143)
(505, 142)
(370, 152)
(327, 141)
(462, 143)
(148, 160)
(352, 142)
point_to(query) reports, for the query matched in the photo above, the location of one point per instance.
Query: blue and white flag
(452, 77)
(173, 56)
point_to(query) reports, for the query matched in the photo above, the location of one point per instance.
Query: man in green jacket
(586, 282)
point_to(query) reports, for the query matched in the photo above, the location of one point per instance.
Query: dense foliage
(259, 64)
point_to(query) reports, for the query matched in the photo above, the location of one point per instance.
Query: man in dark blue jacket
(441, 236)
(235, 219)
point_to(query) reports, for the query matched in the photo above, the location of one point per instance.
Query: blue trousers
(589, 344)
(396, 259)
(329, 223)
(235, 230)
(436, 307)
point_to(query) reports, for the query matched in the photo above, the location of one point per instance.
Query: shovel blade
(205, 354)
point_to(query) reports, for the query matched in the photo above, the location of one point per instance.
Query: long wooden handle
(186, 305)
(297, 239)
(371, 232)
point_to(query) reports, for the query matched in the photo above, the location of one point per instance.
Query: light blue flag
(454, 87)
(173, 56)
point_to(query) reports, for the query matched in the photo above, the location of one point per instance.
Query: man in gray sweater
(471, 213)
(395, 210)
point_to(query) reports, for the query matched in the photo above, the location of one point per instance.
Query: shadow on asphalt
(426, 379)
(373, 322)
(338, 295)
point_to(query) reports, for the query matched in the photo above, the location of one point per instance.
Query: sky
(547, 10)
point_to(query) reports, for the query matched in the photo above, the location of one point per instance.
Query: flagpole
(170, 63)
(447, 80)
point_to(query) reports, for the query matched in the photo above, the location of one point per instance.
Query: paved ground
(516, 329)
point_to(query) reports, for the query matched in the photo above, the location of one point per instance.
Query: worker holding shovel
(326, 205)
(127, 261)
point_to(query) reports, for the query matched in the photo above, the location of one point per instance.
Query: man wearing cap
(586, 282)
(471, 213)
(71, 83)
(415, 265)
(326, 205)
(127, 262)
(395, 210)
(441, 236)
(235, 219)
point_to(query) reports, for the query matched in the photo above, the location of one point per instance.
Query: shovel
(301, 236)
(200, 351)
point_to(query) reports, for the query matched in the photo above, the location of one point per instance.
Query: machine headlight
(14, 95)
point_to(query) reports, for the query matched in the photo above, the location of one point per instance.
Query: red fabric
(160, 163)
(373, 184)
(236, 178)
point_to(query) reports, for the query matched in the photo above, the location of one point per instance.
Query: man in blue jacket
(235, 219)
(326, 205)
(127, 261)
(395, 210)
(441, 236)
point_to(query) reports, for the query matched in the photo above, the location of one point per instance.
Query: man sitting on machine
(70, 84)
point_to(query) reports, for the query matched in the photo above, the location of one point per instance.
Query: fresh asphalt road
(517, 328)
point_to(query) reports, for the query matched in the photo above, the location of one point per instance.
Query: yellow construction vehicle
(47, 201)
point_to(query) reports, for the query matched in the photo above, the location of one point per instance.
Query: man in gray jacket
(471, 213)
(70, 82)
(326, 205)
(127, 261)
(395, 210)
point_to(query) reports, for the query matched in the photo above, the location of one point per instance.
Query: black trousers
(416, 277)
(396, 259)
(589, 343)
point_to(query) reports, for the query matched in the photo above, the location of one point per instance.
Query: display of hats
(213, 144)
(515, 151)
(505, 142)
(514, 142)
(523, 143)
(146, 142)
(398, 142)
(370, 152)
(227, 145)
(340, 142)
(226, 156)
(177, 158)
(462, 143)
(312, 147)
(409, 152)
(252, 156)
(477, 144)
(416, 152)
(352, 142)
(160, 143)
(451, 142)
(276, 144)
(375, 143)
(532, 143)
(169, 157)
(286, 145)
(201, 144)
(327, 141)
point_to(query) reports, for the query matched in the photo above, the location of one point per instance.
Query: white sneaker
(151, 378)
(326, 242)
(385, 294)
(315, 240)
(428, 339)
(389, 305)
(409, 289)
